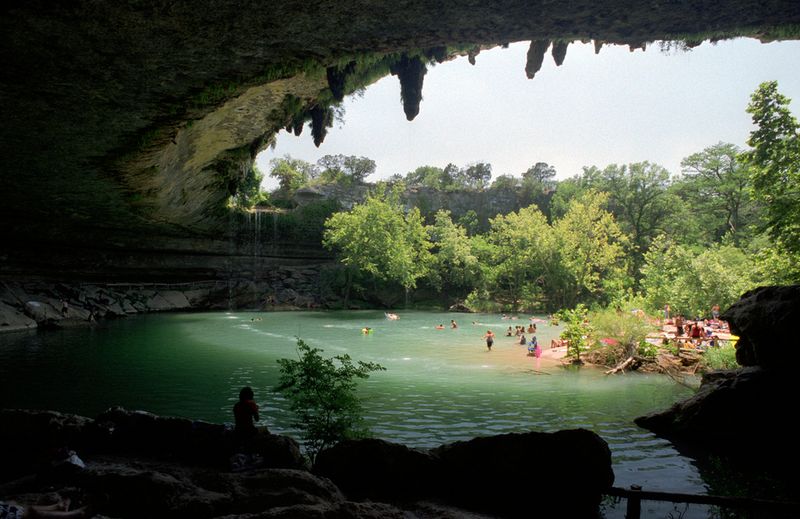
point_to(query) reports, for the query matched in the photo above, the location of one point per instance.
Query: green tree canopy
(717, 186)
(345, 169)
(379, 238)
(590, 247)
(455, 267)
(775, 163)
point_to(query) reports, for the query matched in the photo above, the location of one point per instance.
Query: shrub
(322, 394)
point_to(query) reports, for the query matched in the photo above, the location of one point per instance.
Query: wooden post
(634, 508)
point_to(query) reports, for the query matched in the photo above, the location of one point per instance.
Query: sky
(617, 107)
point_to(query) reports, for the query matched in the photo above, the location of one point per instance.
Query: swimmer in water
(440, 327)
(453, 324)
(489, 339)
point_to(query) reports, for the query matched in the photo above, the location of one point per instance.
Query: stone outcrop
(494, 474)
(27, 306)
(745, 414)
(136, 464)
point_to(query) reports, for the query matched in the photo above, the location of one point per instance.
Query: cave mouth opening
(616, 105)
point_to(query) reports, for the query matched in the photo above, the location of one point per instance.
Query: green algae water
(440, 385)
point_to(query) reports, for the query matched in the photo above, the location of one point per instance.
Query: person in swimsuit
(489, 339)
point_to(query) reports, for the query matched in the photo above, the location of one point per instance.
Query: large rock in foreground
(496, 474)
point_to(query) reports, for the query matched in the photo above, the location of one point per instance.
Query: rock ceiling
(124, 117)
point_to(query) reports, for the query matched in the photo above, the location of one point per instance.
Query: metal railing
(635, 495)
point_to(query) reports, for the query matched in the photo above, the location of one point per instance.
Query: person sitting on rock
(245, 414)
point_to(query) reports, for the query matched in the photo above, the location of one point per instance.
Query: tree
(522, 256)
(590, 247)
(248, 191)
(638, 199)
(717, 185)
(476, 176)
(347, 169)
(775, 163)
(577, 331)
(292, 174)
(691, 281)
(322, 394)
(506, 182)
(427, 176)
(379, 238)
(455, 269)
(538, 186)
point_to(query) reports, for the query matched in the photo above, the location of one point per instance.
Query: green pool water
(439, 386)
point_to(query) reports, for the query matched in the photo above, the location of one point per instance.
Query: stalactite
(411, 72)
(560, 51)
(337, 76)
(535, 57)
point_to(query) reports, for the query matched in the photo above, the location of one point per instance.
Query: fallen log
(620, 367)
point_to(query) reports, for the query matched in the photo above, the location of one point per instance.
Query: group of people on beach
(698, 332)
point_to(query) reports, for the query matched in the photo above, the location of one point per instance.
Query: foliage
(345, 169)
(720, 357)
(691, 281)
(538, 186)
(577, 330)
(775, 163)
(455, 268)
(519, 253)
(248, 190)
(379, 238)
(292, 174)
(322, 394)
(590, 246)
(716, 185)
(627, 327)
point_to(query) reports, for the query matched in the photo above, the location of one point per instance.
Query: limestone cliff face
(126, 126)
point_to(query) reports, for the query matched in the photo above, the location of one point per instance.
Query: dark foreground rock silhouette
(136, 464)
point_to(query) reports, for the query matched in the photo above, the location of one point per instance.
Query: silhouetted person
(245, 414)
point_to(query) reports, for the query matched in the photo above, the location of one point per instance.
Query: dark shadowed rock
(499, 473)
(560, 51)
(535, 57)
(766, 321)
(411, 73)
(492, 474)
(31, 439)
(377, 469)
(190, 441)
(460, 307)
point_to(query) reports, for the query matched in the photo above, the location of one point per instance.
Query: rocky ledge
(746, 414)
(136, 464)
(32, 305)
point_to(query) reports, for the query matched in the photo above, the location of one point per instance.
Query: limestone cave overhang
(129, 124)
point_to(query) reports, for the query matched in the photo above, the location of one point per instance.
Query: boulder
(378, 470)
(765, 319)
(12, 320)
(460, 307)
(500, 473)
(190, 441)
(31, 439)
(494, 474)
